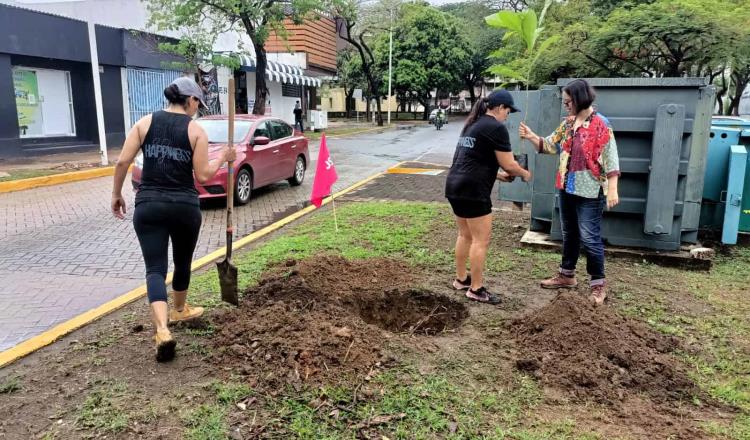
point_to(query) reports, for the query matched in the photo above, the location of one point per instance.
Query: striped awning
(283, 73)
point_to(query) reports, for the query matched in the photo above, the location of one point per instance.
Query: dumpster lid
(639, 82)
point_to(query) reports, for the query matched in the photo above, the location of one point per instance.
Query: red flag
(325, 175)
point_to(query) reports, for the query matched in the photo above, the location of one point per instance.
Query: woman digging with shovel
(166, 205)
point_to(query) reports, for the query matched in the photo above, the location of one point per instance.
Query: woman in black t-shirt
(175, 154)
(483, 148)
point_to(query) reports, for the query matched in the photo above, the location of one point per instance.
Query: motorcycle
(439, 123)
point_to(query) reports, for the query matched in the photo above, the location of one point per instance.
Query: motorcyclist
(439, 118)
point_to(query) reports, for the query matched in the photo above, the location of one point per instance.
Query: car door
(284, 141)
(263, 158)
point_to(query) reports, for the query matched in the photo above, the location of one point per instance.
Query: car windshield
(217, 130)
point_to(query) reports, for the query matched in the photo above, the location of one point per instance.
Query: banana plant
(527, 27)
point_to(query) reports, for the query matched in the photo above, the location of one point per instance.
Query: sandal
(482, 295)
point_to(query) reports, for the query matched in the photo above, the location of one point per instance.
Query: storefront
(44, 102)
(47, 86)
(287, 85)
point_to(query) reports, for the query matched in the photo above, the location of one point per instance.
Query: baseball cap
(188, 87)
(502, 96)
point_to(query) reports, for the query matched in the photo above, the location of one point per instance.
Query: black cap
(502, 96)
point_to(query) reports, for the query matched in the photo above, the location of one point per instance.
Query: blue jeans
(581, 223)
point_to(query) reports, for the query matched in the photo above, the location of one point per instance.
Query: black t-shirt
(475, 166)
(167, 161)
(297, 113)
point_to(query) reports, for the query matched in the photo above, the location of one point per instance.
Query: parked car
(268, 150)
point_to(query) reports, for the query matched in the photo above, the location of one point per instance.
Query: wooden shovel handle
(230, 169)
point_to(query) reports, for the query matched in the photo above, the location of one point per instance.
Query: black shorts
(470, 208)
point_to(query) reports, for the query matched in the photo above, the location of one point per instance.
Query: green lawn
(442, 403)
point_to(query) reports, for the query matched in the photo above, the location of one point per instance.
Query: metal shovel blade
(228, 282)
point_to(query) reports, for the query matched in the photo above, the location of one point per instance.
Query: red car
(268, 150)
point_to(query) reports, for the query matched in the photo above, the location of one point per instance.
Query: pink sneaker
(462, 285)
(482, 295)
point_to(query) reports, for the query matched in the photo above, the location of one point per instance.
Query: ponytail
(479, 109)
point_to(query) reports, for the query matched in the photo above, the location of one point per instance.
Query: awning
(283, 73)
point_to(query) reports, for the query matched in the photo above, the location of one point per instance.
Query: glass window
(280, 130)
(262, 130)
(291, 90)
(217, 130)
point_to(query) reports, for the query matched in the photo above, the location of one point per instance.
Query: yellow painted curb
(55, 179)
(49, 336)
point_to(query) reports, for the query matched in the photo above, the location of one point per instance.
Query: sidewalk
(35, 166)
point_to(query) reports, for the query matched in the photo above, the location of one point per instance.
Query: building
(47, 88)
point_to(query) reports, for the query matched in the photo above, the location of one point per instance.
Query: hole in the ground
(413, 311)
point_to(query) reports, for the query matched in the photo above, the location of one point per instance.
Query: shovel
(227, 271)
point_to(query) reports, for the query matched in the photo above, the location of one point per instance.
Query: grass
(100, 410)
(717, 325)
(443, 405)
(10, 385)
(28, 174)
(365, 231)
(207, 422)
(230, 392)
(415, 406)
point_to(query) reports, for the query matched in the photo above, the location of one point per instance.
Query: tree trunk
(472, 95)
(261, 90)
(380, 113)
(740, 84)
(348, 103)
(425, 107)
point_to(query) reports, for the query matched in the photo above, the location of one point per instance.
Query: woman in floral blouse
(587, 180)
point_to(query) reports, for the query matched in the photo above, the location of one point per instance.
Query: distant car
(433, 115)
(268, 150)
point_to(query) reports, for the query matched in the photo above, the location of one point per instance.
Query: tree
(202, 21)
(664, 38)
(429, 53)
(604, 7)
(350, 28)
(524, 29)
(349, 75)
(482, 41)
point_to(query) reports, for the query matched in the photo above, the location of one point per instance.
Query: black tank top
(167, 161)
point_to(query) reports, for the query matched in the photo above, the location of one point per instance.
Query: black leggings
(155, 223)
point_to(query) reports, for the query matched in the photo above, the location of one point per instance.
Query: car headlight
(139, 160)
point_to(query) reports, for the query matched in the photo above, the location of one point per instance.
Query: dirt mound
(597, 354)
(322, 320)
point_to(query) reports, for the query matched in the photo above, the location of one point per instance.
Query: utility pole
(97, 93)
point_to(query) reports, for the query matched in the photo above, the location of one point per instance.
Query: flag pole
(335, 219)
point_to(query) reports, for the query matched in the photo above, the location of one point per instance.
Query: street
(64, 253)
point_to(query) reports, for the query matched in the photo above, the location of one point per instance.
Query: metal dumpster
(726, 193)
(662, 128)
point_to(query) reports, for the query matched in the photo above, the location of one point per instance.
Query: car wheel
(243, 187)
(299, 172)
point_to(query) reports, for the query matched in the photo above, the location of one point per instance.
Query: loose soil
(326, 321)
(596, 354)
(323, 321)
